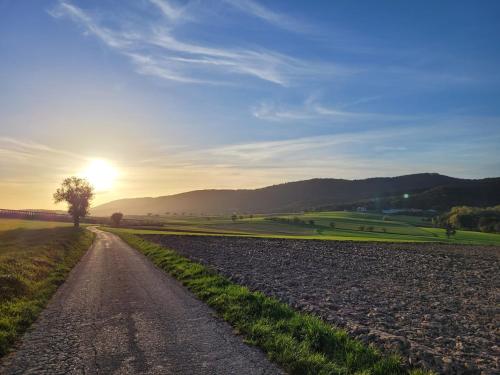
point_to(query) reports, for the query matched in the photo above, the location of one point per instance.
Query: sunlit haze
(154, 97)
(101, 175)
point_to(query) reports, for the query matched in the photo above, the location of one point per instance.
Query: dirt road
(119, 314)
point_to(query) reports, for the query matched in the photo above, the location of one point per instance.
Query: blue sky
(182, 95)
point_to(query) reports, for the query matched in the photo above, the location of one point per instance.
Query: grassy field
(301, 343)
(35, 257)
(350, 226)
(9, 224)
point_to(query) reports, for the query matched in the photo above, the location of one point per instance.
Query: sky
(181, 95)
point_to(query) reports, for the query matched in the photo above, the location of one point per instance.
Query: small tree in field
(78, 193)
(116, 218)
(450, 230)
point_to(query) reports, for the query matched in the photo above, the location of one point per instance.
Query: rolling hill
(311, 194)
(476, 193)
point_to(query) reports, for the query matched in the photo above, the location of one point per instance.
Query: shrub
(116, 218)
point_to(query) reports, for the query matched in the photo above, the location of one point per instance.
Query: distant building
(361, 209)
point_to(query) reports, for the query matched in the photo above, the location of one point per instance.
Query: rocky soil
(437, 305)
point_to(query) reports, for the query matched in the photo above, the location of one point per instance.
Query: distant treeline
(295, 220)
(472, 218)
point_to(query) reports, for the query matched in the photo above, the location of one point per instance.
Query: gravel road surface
(118, 314)
(438, 305)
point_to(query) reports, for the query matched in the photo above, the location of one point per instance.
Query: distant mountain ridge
(313, 194)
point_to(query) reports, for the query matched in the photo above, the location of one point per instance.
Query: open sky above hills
(180, 95)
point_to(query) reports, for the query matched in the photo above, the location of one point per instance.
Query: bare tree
(78, 193)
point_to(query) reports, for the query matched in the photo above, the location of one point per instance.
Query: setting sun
(101, 174)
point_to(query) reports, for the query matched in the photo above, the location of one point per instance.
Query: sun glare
(101, 174)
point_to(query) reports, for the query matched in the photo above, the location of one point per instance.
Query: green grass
(385, 228)
(467, 237)
(352, 221)
(341, 236)
(33, 263)
(301, 343)
(432, 235)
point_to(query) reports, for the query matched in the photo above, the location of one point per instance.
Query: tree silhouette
(450, 230)
(116, 218)
(78, 193)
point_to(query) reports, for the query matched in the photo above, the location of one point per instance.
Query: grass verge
(300, 343)
(33, 263)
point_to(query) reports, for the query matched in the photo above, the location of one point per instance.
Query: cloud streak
(157, 52)
(171, 12)
(31, 150)
(311, 110)
(159, 47)
(274, 18)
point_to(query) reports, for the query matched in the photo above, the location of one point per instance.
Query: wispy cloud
(274, 18)
(155, 51)
(172, 12)
(311, 109)
(430, 147)
(114, 39)
(30, 150)
(359, 154)
(153, 66)
(161, 48)
(27, 162)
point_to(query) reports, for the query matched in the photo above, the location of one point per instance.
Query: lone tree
(450, 230)
(116, 218)
(78, 193)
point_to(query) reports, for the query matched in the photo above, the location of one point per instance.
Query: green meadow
(336, 225)
(35, 258)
